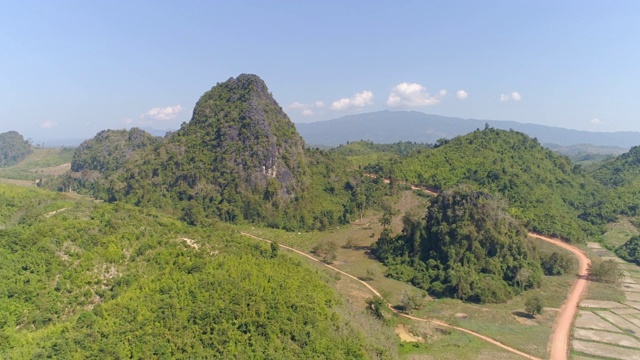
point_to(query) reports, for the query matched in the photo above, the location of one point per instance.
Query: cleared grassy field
(504, 322)
(619, 232)
(41, 163)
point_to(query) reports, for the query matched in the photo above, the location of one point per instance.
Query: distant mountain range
(393, 126)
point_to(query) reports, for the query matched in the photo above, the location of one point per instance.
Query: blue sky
(72, 68)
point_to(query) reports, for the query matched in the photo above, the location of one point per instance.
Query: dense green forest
(622, 177)
(467, 247)
(238, 159)
(13, 148)
(544, 190)
(117, 281)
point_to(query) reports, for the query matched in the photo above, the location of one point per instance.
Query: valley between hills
(230, 238)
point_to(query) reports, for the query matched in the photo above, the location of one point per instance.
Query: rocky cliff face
(240, 157)
(248, 133)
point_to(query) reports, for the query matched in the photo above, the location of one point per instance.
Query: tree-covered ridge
(13, 148)
(239, 158)
(622, 177)
(467, 247)
(544, 190)
(361, 148)
(117, 281)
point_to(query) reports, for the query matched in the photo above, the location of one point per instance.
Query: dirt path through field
(377, 293)
(559, 345)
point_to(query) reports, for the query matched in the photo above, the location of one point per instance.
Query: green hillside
(116, 281)
(544, 190)
(621, 176)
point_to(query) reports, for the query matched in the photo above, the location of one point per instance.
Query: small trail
(377, 293)
(50, 214)
(559, 345)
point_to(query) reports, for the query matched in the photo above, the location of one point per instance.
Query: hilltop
(239, 158)
(544, 190)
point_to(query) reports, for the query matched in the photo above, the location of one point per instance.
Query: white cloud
(462, 95)
(596, 121)
(358, 100)
(412, 95)
(127, 120)
(297, 105)
(48, 124)
(163, 114)
(306, 109)
(514, 96)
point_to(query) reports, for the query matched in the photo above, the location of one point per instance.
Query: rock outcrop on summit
(238, 158)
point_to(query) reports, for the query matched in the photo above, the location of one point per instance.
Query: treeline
(401, 148)
(117, 281)
(13, 148)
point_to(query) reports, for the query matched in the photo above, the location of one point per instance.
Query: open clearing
(504, 322)
(608, 326)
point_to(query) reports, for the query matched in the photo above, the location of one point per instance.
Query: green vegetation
(41, 165)
(469, 248)
(13, 148)
(555, 263)
(533, 305)
(544, 190)
(630, 251)
(238, 159)
(605, 271)
(622, 177)
(365, 153)
(103, 280)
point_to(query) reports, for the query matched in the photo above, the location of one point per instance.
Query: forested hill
(468, 247)
(239, 158)
(544, 190)
(622, 176)
(13, 148)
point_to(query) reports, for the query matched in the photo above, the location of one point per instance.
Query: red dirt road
(559, 345)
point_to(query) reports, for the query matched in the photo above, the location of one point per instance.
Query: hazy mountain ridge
(394, 126)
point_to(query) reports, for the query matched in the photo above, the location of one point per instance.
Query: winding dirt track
(559, 342)
(559, 345)
(377, 293)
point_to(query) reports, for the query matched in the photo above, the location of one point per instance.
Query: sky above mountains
(73, 68)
